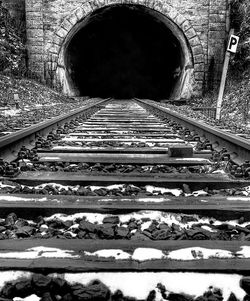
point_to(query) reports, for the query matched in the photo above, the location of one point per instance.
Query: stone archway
(191, 78)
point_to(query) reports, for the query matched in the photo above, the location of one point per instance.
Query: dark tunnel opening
(123, 52)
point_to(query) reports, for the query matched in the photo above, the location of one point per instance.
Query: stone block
(87, 8)
(80, 13)
(217, 35)
(185, 26)
(199, 67)
(217, 18)
(199, 75)
(180, 151)
(199, 58)
(66, 24)
(62, 32)
(194, 41)
(190, 33)
(217, 26)
(197, 50)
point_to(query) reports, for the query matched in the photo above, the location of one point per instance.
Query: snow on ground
(138, 285)
(38, 252)
(6, 276)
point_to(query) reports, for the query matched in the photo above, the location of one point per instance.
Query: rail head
(237, 145)
(33, 129)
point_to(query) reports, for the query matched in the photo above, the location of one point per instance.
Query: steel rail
(237, 146)
(10, 143)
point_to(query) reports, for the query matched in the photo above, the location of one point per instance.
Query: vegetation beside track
(236, 103)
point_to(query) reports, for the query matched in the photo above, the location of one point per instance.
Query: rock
(87, 226)
(151, 296)
(21, 223)
(96, 291)
(25, 231)
(132, 225)
(24, 288)
(161, 234)
(46, 297)
(242, 229)
(139, 236)
(186, 189)
(111, 220)
(198, 234)
(8, 290)
(117, 296)
(245, 284)
(106, 231)
(241, 220)
(164, 226)
(41, 283)
(213, 298)
(59, 286)
(101, 192)
(67, 224)
(11, 219)
(39, 220)
(67, 297)
(2, 229)
(188, 218)
(83, 191)
(200, 298)
(81, 234)
(152, 227)
(232, 297)
(179, 297)
(122, 232)
(162, 289)
(56, 224)
(2, 236)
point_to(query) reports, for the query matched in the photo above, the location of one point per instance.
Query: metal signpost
(231, 48)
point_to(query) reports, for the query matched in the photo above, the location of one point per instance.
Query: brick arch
(71, 24)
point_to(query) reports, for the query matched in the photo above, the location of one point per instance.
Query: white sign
(233, 43)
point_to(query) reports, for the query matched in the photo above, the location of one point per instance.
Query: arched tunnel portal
(125, 51)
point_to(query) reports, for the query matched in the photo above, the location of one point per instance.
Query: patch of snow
(116, 253)
(219, 171)
(238, 198)
(244, 252)
(29, 298)
(7, 276)
(38, 252)
(206, 227)
(143, 200)
(193, 159)
(138, 285)
(153, 189)
(50, 158)
(195, 253)
(145, 225)
(10, 198)
(199, 193)
(142, 254)
(91, 217)
(6, 185)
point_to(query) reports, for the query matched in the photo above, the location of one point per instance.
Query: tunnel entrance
(126, 51)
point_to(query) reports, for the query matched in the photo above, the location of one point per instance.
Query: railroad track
(124, 190)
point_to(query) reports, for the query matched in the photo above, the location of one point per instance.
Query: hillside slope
(12, 48)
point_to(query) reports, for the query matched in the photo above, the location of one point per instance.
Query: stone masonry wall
(207, 19)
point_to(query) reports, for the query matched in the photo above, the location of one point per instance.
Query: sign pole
(224, 77)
